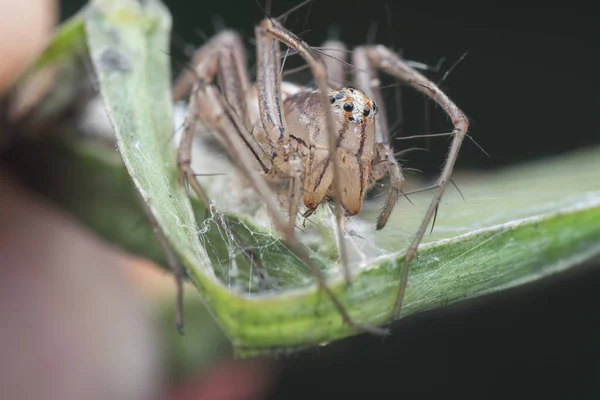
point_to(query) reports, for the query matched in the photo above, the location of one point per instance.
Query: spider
(330, 144)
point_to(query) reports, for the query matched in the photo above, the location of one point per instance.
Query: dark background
(529, 84)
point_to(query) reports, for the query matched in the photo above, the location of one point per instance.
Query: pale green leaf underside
(514, 226)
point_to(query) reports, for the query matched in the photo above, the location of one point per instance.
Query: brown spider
(330, 144)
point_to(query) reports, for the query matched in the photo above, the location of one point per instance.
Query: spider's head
(356, 106)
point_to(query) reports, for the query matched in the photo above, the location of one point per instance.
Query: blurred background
(528, 84)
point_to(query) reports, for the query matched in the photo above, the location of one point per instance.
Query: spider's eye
(366, 111)
(332, 99)
(339, 95)
(375, 109)
(351, 118)
(348, 106)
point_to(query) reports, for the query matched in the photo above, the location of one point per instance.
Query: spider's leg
(268, 34)
(221, 57)
(224, 48)
(270, 100)
(366, 79)
(296, 186)
(385, 153)
(173, 264)
(382, 58)
(335, 55)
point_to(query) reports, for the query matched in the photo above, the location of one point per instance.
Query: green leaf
(514, 226)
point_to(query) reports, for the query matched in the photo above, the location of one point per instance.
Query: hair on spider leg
(322, 48)
(305, 218)
(428, 135)
(435, 186)
(266, 10)
(298, 6)
(478, 145)
(426, 67)
(287, 51)
(295, 70)
(406, 197)
(323, 51)
(304, 30)
(415, 170)
(452, 67)
(457, 189)
(432, 187)
(403, 152)
(346, 63)
(186, 183)
(431, 135)
(437, 207)
(402, 194)
(252, 40)
(390, 85)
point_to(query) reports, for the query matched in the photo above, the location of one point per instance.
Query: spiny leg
(296, 186)
(172, 262)
(222, 55)
(365, 77)
(382, 58)
(270, 99)
(385, 153)
(268, 32)
(335, 53)
(223, 52)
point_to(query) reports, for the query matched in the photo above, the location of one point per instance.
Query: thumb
(25, 27)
